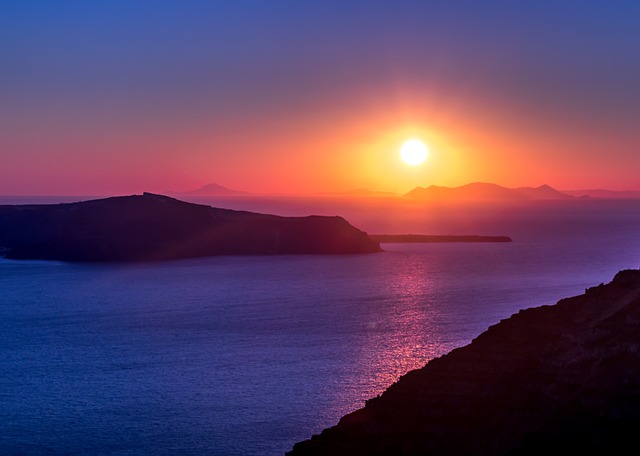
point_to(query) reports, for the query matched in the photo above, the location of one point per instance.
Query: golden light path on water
(404, 338)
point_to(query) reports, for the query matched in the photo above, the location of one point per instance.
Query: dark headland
(561, 379)
(154, 227)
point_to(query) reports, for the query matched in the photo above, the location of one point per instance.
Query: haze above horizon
(120, 98)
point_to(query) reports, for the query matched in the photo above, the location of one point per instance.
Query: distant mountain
(155, 227)
(214, 190)
(480, 191)
(604, 194)
(541, 192)
(562, 379)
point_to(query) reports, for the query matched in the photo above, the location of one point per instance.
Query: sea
(246, 355)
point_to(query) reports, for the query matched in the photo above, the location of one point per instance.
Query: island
(428, 238)
(561, 379)
(152, 227)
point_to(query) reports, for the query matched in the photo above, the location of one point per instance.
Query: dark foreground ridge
(428, 238)
(155, 227)
(562, 379)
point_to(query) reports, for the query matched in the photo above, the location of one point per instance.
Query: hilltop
(155, 227)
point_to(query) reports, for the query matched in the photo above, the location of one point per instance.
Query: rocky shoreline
(561, 378)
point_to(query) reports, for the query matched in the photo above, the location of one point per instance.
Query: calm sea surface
(247, 355)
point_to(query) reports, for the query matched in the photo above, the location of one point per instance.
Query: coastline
(563, 376)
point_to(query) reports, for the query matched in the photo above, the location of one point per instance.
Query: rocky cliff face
(154, 227)
(562, 378)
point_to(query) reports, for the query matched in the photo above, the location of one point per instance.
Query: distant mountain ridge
(481, 191)
(473, 192)
(476, 191)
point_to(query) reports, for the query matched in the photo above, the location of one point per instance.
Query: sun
(413, 152)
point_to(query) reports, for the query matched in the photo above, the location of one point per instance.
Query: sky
(120, 97)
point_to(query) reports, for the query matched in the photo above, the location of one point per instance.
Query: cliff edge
(562, 378)
(155, 227)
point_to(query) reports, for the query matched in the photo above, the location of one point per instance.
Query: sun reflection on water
(399, 333)
(409, 311)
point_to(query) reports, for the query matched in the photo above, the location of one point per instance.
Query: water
(247, 355)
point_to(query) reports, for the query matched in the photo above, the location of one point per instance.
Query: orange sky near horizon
(325, 152)
(238, 102)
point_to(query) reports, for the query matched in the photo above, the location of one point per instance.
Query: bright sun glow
(413, 152)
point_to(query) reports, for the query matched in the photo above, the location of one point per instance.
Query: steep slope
(155, 227)
(562, 378)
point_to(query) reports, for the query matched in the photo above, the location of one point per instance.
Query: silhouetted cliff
(562, 379)
(156, 227)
